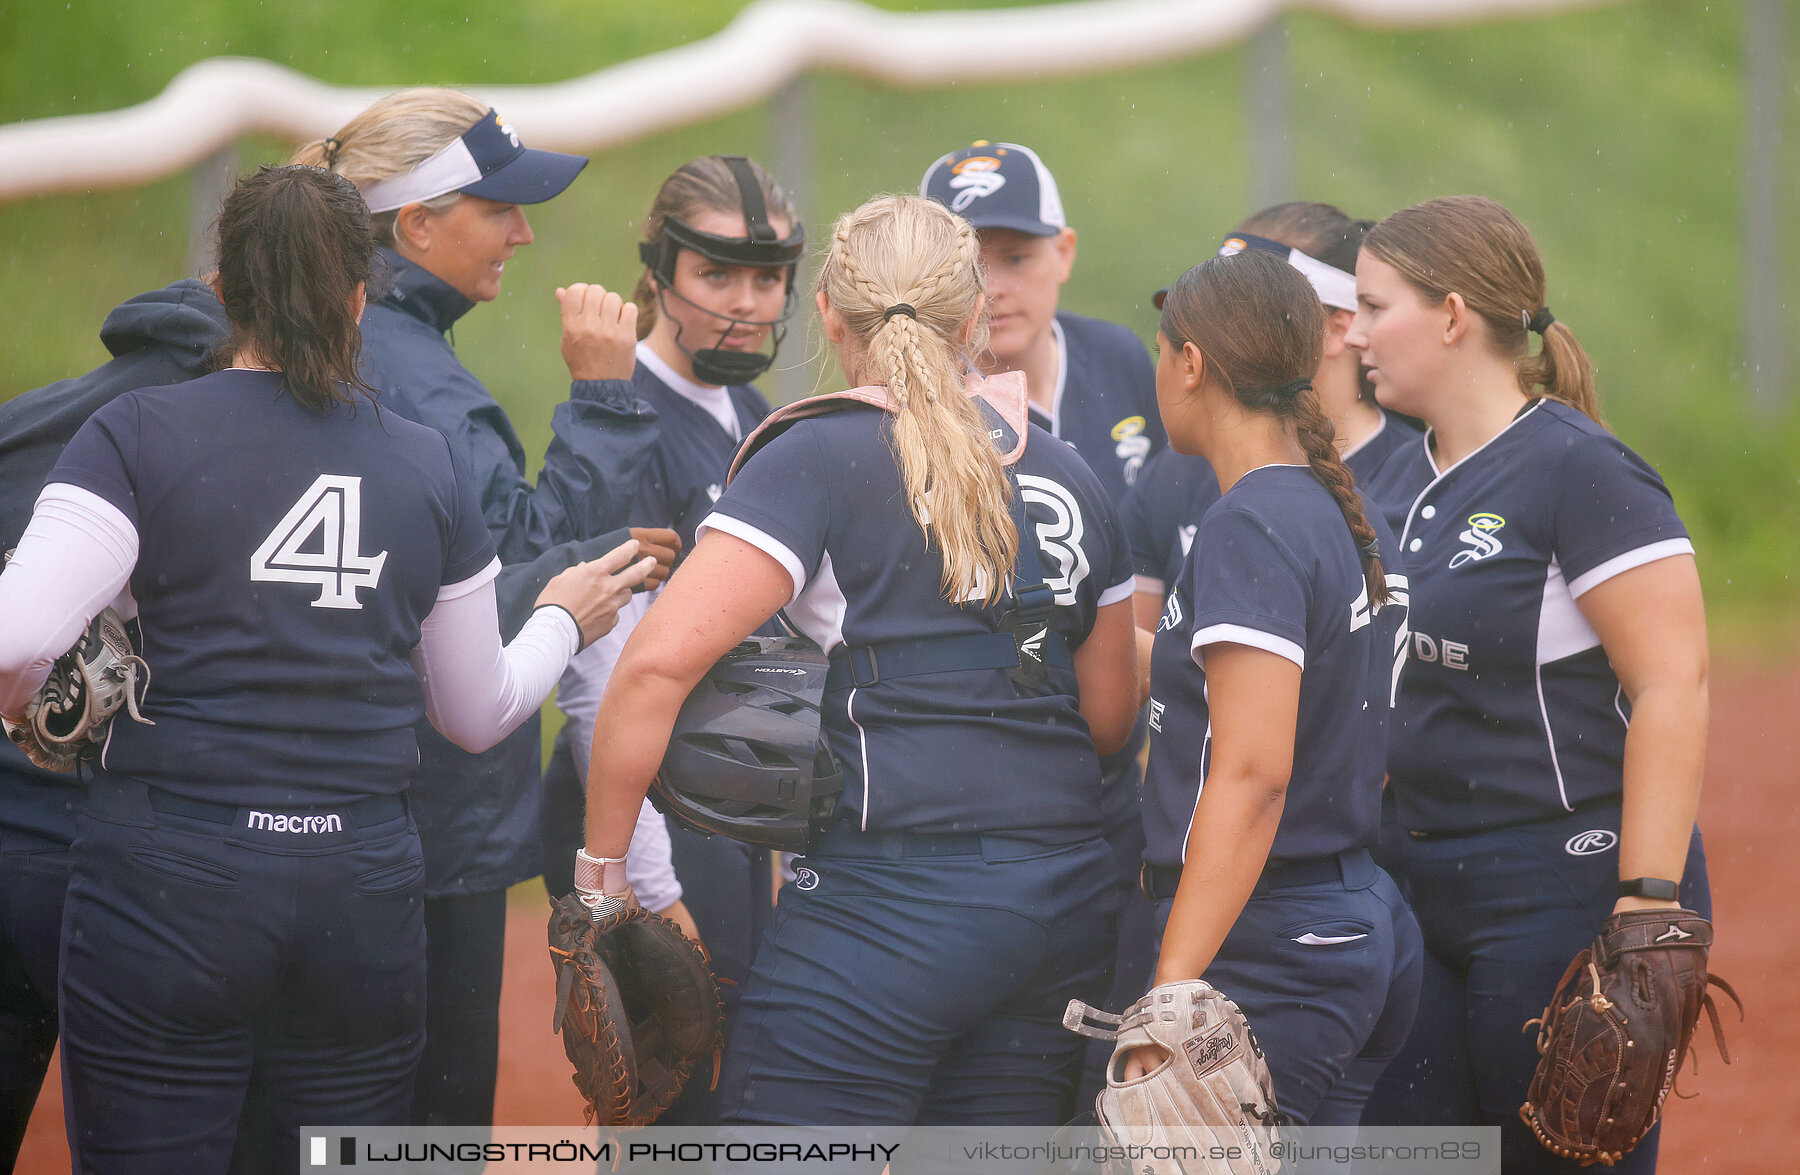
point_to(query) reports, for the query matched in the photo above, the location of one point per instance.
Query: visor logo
(1233, 246)
(506, 129)
(1594, 840)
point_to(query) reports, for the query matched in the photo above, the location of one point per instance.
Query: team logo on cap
(1480, 537)
(974, 178)
(1233, 246)
(506, 129)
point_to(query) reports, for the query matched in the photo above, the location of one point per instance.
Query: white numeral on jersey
(1060, 538)
(331, 508)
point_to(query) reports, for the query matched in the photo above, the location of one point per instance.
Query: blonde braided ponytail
(905, 275)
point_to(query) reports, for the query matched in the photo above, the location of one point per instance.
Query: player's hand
(599, 332)
(660, 544)
(593, 592)
(1143, 1061)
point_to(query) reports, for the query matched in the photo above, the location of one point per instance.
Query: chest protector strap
(1025, 644)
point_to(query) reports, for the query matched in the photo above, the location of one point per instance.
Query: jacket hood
(185, 314)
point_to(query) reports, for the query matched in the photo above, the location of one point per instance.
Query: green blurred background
(1615, 133)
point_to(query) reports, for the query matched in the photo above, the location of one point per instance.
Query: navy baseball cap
(997, 185)
(487, 160)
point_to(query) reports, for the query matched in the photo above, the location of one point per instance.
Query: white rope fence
(218, 101)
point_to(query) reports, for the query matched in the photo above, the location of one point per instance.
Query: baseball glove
(66, 721)
(1614, 1034)
(638, 1009)
(1214, 1092)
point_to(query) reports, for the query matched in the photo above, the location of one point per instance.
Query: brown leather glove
(638, 1009)
(1616, 1031)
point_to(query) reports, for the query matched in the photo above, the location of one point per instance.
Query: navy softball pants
(1503, 912)
(225, 983)
(922, 979)
(1327, 973)
(34, 872)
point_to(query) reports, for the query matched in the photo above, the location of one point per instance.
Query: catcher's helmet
(747, 758)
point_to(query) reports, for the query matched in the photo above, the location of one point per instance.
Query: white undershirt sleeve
(75, 557)
(476, 692)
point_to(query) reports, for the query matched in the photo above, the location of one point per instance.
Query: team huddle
(1338, 667)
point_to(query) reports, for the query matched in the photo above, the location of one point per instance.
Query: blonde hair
(392, 137)
(905, 250)
(1473, 246)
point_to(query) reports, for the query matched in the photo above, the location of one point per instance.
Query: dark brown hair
(704, 185)
(1471, 245)
(294, 243)
(1260, 328)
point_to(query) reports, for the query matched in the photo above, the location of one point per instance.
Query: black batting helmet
(747, 758)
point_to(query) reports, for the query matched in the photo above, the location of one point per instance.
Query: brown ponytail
(294, 243)
(1471, 245)
(1261, 328)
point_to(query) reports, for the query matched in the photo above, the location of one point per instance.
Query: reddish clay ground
(1745, 1119)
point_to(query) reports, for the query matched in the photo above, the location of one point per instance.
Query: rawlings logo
(1594, 840)
(1213, 1051)
(805, 879)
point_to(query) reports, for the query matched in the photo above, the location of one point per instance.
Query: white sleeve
(477, 693)
(74, 558)
(649, 866)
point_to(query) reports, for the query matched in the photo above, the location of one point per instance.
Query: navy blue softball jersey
(960, 751)
(1173, 493)
(686, 471)
(1105, 403)
(281, 580)
(1273, 566)
(1508, 710)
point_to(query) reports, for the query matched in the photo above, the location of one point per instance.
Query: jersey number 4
(318, 541)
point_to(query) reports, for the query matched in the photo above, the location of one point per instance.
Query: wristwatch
(1659, 889)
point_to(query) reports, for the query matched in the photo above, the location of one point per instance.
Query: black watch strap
(1659, 889)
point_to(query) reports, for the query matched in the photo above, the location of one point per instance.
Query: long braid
(1313, 429)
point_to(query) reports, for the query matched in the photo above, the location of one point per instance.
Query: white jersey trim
(455, 591)
(1562, 630)
(762, 540)
(1619, 564)
(1438, 475)
(1238, 634)
(1122, 591)
(1149, 585)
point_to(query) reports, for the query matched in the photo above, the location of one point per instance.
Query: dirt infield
(1742, 1119)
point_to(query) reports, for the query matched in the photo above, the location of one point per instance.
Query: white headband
(450, 170)
(1335, 287)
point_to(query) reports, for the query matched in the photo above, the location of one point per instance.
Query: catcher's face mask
(760, 249)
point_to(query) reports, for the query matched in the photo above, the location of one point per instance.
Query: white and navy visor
(487, 160)
(1335, 288)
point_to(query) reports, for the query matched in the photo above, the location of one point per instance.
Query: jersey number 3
(317, 542)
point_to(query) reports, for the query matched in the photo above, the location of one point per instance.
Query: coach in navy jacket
(161, 337)
(478, 834)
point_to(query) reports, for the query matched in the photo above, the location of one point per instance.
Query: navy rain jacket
(163, 337)
(478, 814)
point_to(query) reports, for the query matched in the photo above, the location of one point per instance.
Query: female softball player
(242, 938)
(1551, 718)
(919, 962)
(1270, 678)
(721, 242)
(1165, 504)
(447, 181)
